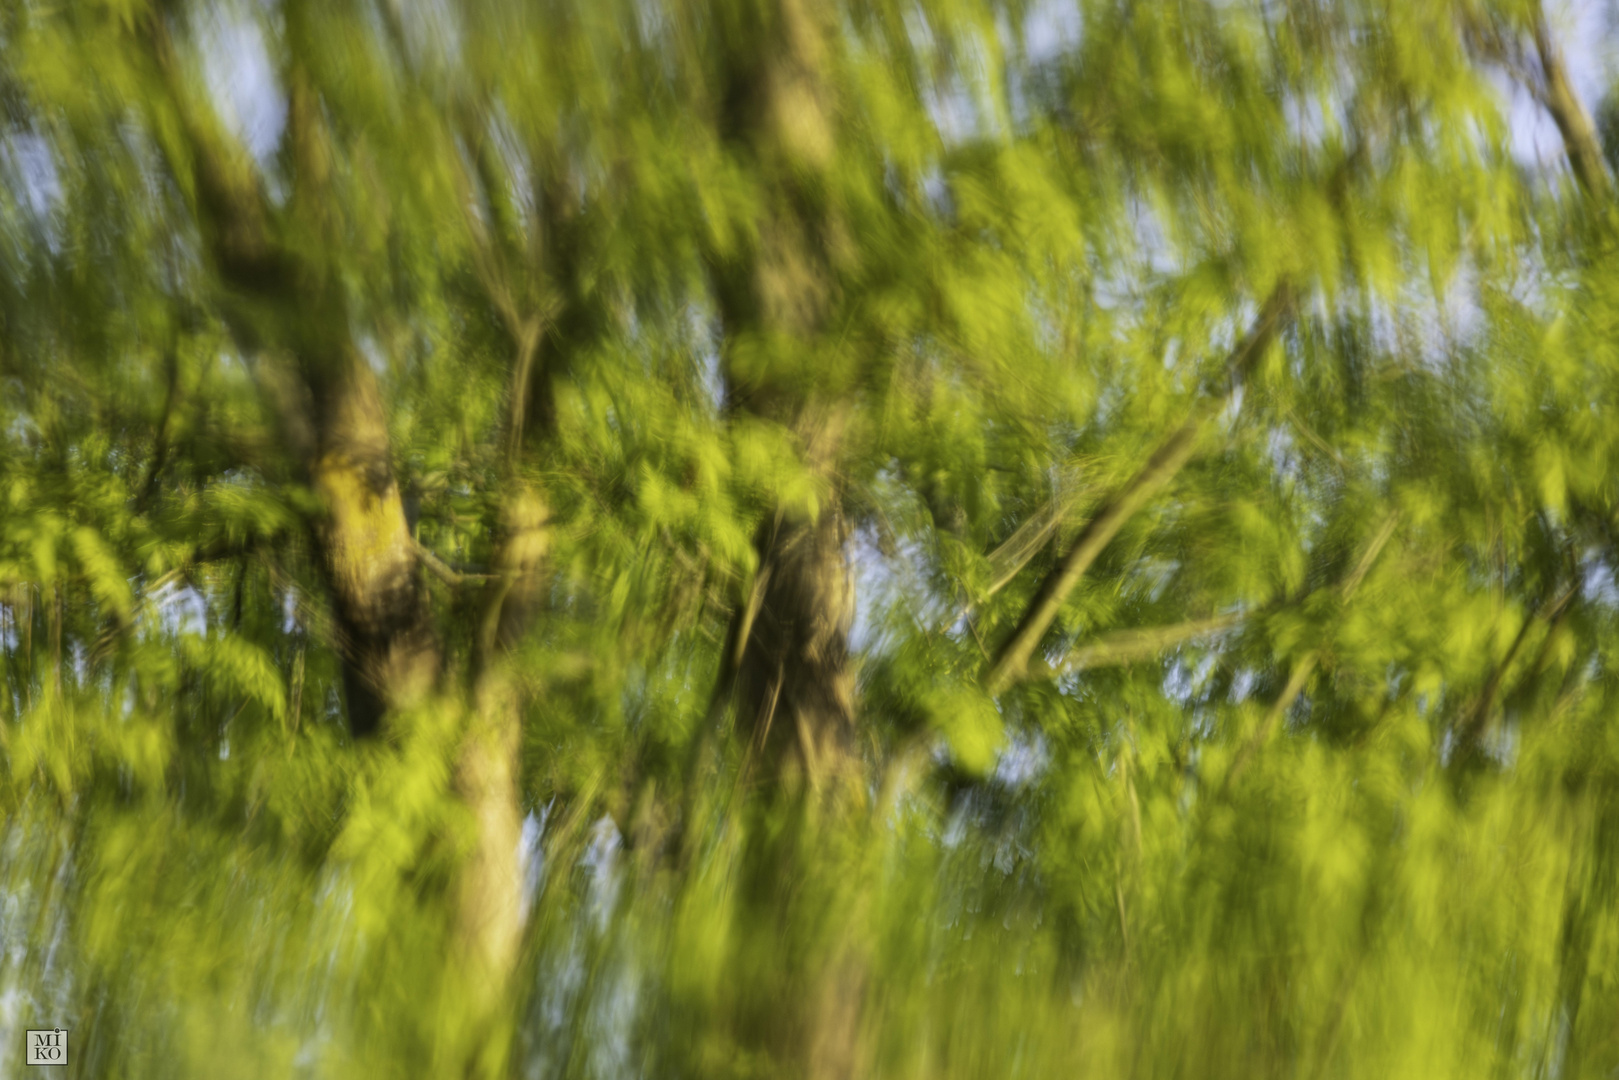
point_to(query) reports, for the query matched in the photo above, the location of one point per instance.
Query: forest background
(770, 538)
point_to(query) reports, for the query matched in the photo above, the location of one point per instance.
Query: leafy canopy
(1214, 415)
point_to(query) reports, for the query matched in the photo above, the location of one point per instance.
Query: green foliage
(1332, 793)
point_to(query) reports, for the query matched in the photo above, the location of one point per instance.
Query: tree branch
(1296, 681)
(443, 570)
(1012, 662)
(1545, 78)
(1471, 725)
(1124, 647)
(1557, 94)
(219, 175)
(1026, 541)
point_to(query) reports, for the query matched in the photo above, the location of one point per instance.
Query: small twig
(1373, 550)
(443, 570)
(160, 450)
(1317, 441)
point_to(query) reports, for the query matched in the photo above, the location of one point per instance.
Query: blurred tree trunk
(531, 277)
(794, 683)
(282, 303)
(788, 652)
(789, 669)
(365, 546)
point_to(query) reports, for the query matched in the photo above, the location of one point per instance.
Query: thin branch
(1025, 543)
(1317, 441)
(1016, 551)
(736, 644)
(527, 344)
(443, 570)
(160, 449)
(1144, 643)
(1012, 663)
(1123, 647)
(1273, 719)
(1373, 550)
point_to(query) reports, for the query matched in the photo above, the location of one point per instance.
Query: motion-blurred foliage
(945, 538)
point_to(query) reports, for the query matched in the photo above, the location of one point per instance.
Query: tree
(776, 538)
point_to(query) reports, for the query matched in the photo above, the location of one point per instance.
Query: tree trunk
(366, 550)
(280, 300)
(488, 916)
(788, 668)
(788, 660)
(283, 301)
(794, 683)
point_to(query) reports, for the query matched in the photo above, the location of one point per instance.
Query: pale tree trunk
(535, 293)
(488, 918)
(488, 930)
(545, 326)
